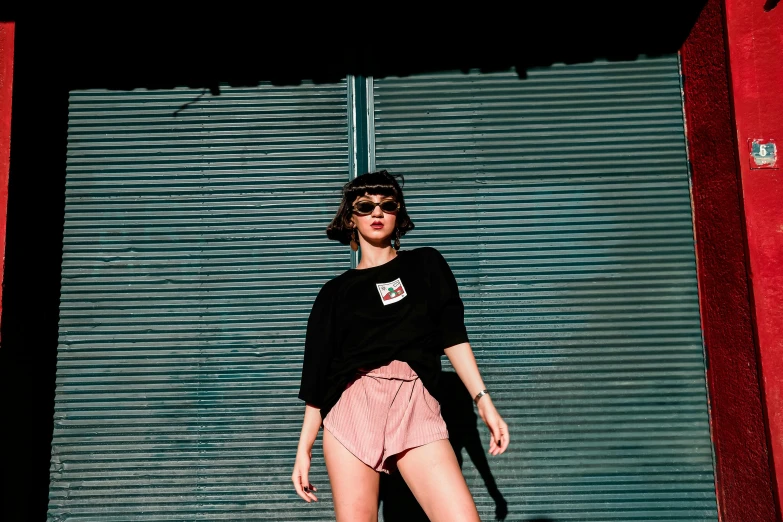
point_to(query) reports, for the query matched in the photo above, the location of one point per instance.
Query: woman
(372, 358)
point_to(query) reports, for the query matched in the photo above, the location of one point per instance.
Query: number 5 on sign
(763, 154)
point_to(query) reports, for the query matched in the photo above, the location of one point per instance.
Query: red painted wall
(6, 84)
(755, 38)
(742, 468)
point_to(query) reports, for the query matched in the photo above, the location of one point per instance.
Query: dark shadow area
(56, 52)
(31, 283)
(397, 502)
(463, 423)
(244, 47)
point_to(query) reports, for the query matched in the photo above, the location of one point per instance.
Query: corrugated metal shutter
(193, 249)
(562, 203)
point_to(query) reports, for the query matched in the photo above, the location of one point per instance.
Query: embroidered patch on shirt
(391, 292)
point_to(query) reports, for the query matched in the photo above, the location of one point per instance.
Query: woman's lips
(377, 225)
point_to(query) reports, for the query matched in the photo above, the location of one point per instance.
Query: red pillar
(6, 85)
(742, 464)
(754, 30)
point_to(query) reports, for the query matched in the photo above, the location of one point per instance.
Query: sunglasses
(365, 207)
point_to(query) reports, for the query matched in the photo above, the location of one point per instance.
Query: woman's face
(377, 226)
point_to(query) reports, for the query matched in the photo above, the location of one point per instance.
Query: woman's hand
(498, 429)
(300, 477)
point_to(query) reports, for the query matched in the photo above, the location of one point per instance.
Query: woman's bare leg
(433, 475)
(354, 483)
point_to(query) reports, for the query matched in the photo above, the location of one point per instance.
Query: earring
(354, 240)
(397, 239)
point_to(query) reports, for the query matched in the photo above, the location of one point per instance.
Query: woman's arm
(463, 361)
(300, 476)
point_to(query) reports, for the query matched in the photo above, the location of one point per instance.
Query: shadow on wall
(286, 48)
(458, 411)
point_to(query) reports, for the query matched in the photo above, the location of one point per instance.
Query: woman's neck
(373, 256)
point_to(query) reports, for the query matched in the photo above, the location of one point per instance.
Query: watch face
(391, 292)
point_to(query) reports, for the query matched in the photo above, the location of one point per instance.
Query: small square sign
(763, 154)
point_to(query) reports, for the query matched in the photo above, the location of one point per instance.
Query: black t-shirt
(407, 309)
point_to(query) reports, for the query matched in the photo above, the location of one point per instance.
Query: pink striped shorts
(383, 412)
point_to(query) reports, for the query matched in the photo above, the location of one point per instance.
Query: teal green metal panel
(561, 202)
(194, 246)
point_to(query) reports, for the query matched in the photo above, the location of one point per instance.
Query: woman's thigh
(433, 475)
(354, 483)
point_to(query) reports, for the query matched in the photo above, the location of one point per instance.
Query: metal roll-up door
(561, 202)
(193, 250)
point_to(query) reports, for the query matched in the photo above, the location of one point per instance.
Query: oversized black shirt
(408, 309)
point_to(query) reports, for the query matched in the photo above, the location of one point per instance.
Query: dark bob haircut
(379, 183)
